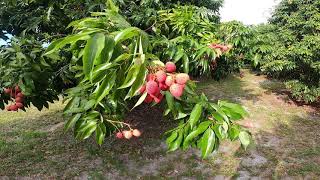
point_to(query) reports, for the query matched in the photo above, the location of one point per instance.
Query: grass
(33, 144)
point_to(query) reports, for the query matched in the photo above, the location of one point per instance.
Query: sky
(247, 11)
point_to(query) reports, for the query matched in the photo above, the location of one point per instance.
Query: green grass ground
(286, 142)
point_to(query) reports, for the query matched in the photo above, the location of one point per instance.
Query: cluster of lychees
(223, 48)
(164, 80)
(18, 98)
(128, 134)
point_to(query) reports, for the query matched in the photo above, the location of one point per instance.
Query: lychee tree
(114, 68)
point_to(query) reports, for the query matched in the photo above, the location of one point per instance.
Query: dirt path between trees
(286, 142)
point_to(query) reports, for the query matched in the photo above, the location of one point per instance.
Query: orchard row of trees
(114, 56)
(109, 57)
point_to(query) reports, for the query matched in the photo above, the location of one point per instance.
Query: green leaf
(207, 143)
(71, 122)
(141, 99)
(105, 87)
(195, 115)
(92, 50)
(107, 51)
(185, 63)
(89, 104)
(170, 102)
(126, 34)
(56, 45)
(176, 144)
(201, 128)
(100, 133)
(234, 107)
(244, 139)
(131, 76)
(173, 137)
(234, 132)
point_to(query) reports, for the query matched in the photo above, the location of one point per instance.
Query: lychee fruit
(20, 95)
(182, 78)
(170, 67)
(159, 98)
(136, 133)
(142, 89)
(17, 89)
(127, 134)
(8, 108)
(14, 108)
(151, 77)
(148, 99)
(7, 90)
(176, 90)
(163, 87)
(19, 105)
(19, 99)
(169, 81)
(152, 87)
(119, 135)
(161, 76)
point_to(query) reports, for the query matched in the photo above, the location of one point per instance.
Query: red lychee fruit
(161, 76)
(136, 133)
(142, 89)
(158, 99)
(163, 87)
(7, 90)
(8, 108)
(182, 78)
(19, 105)
(19, 99)
(224, 48)
(151, 77)
(127, 134)
(14, 108)
(20, 95)
(152, 87)
(17, 89)
(169, 81)
(148, 99)
(119, 135)
(176, 90)
(170, 67)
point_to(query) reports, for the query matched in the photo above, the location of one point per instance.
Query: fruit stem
(118, 122)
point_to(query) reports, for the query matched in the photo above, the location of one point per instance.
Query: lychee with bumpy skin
(182, 78)
(136, 133)
(148, 99)
(17, 89)
(169, 81)
(14, 108)
(19, 105)
(127, 134)
(161, 76)
(163, 87)
(20, 95)
(19, 99)
(7, 90)
(151, 77)
(158, 99)
(170, 67)
(119, 135)
(176, 90)
(142, 89)
(152, 87)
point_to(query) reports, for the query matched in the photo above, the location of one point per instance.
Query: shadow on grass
(232, 88)
(31, 147)
(292, 150)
